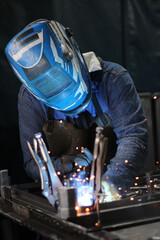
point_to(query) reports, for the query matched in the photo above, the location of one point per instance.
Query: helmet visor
(52, 83)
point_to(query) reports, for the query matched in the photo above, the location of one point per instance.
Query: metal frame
(26, 205)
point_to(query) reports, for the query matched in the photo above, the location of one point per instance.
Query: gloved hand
(83, 159)
(110, 191)
(57, 164)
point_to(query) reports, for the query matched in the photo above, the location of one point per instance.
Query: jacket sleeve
(130, 126)
(32, 115)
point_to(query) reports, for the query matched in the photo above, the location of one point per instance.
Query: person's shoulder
(25, 95)
(113, 68)
(115, 74)
(27, 98)
(24, 92)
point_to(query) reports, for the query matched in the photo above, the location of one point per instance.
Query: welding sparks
(92, 177)
(87, 210)
(132, 198)
(43, 168)
(76, 208)
(96, 224)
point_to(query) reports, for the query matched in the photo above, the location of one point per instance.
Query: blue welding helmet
(47, 60)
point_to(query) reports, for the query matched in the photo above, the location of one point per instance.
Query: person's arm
(32, 115)
(130, 126)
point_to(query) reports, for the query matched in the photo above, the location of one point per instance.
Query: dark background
(122, 31)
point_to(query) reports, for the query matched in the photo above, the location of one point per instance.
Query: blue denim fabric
(118, 97)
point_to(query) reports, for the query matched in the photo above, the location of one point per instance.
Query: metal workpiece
(29, 208)
(5, 189)
(150, 185)
(4, 178)
(67, 202)
(33, 211)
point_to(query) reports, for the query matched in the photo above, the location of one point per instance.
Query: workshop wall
(123, 31)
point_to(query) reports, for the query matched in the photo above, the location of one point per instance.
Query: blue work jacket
(118, 98)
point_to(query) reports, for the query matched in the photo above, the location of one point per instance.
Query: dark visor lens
(54, 82)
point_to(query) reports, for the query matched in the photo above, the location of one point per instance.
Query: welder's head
(46, 58)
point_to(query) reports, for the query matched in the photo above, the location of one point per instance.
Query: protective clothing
(64, 138)
(47, 59)
(118, 98)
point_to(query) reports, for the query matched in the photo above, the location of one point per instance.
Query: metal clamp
(99, 155)
(50, 182)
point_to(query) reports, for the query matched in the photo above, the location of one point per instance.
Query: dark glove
(57, 164)
(83, 159)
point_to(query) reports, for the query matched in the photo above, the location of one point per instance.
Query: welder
(65, 94)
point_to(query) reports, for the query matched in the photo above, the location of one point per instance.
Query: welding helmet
(47, 60)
